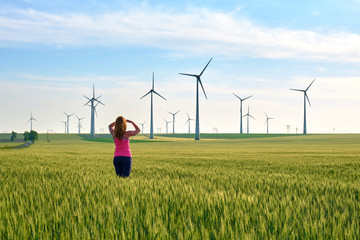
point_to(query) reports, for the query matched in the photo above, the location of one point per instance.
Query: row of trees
(32, 136)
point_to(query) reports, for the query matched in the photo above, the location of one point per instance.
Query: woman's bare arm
(111, 129)
(132, 133)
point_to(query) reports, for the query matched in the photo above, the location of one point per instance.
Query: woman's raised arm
(111, 129)
(135, 132)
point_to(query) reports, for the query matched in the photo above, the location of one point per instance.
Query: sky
(53, 52)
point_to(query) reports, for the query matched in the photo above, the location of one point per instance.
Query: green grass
(296, 187)
(223, 135)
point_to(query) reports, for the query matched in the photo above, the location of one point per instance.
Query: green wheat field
(225, 186)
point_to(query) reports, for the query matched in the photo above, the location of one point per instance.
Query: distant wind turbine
(247, 118)
(198, 80)
(65, 125)
(267, 123)
(151, 115)
(79, 122)
(167, 125)
(93, 110)
(173, 119)
(188, 121)
(241, 100)
(67, 121)
(142, 126)
(305, 98)
(30, 120)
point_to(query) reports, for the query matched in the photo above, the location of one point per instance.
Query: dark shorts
(122, 166)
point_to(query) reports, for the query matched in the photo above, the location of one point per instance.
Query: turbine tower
(173, 119)
(93, 110)
(305, 98)
(65, 125)
(198, 80)
(167, 125)
(151, 115)
(79, 122)
(247, 117)
(241, 100)
(188, 121)
(30, 120)
(267, 123)
(142, 127)
(67, 121)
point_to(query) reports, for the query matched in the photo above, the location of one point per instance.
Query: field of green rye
(221, 187)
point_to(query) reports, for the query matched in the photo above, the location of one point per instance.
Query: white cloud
(199, 31)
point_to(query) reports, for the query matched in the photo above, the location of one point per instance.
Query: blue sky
(52, 52)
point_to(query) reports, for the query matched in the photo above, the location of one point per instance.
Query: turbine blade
(191, 75)
(237, 96)
(177, 112)
(251, 117)
(187, 121)
(170, 112)
(247, 97)
(310, 85)
(307, 98)
(205, 67)
(93, 90)
(86, 103)
(202, 87)
(188, 115)
(145, 95)
(99, 102)
(159, 95)
(153, 82)
(297, 90)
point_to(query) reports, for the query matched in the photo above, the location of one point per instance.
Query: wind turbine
(142, 127)
(93, 110)
(167, 125)
(247, 116)
(67, 121)
(173, 119)
(30, 120)
(267, 123)
(79, 122)
(188, 121)
(305, 98)
(198, 80)
(151, 115)
(65, 125)
(241, 100)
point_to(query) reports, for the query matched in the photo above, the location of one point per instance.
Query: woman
(122, 155)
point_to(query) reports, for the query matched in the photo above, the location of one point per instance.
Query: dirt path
(24, 145)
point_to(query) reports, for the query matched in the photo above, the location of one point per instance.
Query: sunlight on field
(273, 187)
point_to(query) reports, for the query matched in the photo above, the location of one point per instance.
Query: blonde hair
(120, 127)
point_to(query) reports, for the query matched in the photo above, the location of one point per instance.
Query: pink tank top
(122, 148)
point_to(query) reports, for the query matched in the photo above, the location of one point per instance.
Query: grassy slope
(305, 186)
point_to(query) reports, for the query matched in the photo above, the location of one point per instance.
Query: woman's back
(122, 148)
